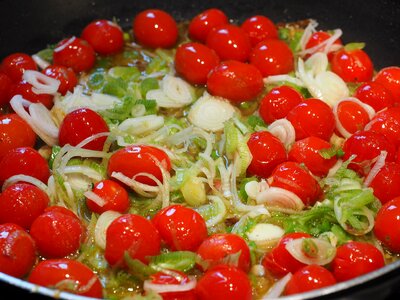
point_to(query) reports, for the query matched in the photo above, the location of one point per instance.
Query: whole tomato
(15, 64)
(65, 75)
(386, 181)
(387, 123)
(351, 115)
(201, 25)
(352, 65)
(375, 95)
(389, 77)
(259, 28)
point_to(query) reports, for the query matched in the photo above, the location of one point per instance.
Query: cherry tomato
(194, 61)
(67, 275)
(17, 250)
(6, 85)
(354, 259)
(201, 25)
(133, 234)
(387, 225)
(155, 28)
(14, 65)
(224, 282)
(309, 278)
(277, 103)
(235, 81)
(114, 195)
(267, 151)
(292, 177)
(104, 36)
(178, 278)
(24, 89)
(389, 77)
(352, 116)
(230, 42)
(352, 66)
(319, 37)
(313, 117)
(181, 228)
(272, 57)
(26, 161)
(259, 28)
(366, 146)
(375, 95)
(135, 159)
(66, 76)
(81, 124)
(387, 123)
(279, 261)
(384, 181)
(14, 133)
(75, 53)
(308, 151)
(218, 246)
(57, 234)
(21, 204)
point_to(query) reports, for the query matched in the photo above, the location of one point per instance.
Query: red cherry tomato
(354, 259)
(319, 37)
(176, 278)
(181, 228)
(277, 103)
(57, 234)
(267, 151)
(352, 116)
(235, 81)
(312, 117)
(6, 85)
(224, 282)
(292, 177)
(26, 161)
(17, 250)
(14, 133)
(279, 261)
(104, 36)
(24, 89)
(309, 278)
(389, 77)
(375, 95)
(194, 61)
(352, 66)
(66, 76)
(155, 28)
(272, 57)
(387, 225)
(67, 275)
(383, 182)
(114, 195)
(217, 246)
(387, 123)
(259, 28)
(201, 25)
(135, 159)
(22, 203)
(230, 42)
(308, 151)
(134, 234)
(81, 124)
(75, 53)
(14, 65)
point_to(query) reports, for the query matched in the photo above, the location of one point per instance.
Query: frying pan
(29, 26)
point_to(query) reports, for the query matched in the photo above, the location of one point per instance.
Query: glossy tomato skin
(104, 36)
(313, 117)
(217, 246)
(53, 273)
(389, 77)
(277, 103)
(17, 250)
(309, 278)
(235, 81)
(267, 151)
(352, 66)
(14, 65)
(387, 225)
(224, 282)
(194, 61)
(259, 28)
(272, 57)
(387, 123)
(230, 42)
(14, 133)
(24, 89)
(75, 53)
(352, 116)
(65, 75)
(354, 259)
(135, 159)
(6, 85)
(181, 228)
(81, 124)
(115, 196)
(386, 182)
(375, 95)
(134, 234)
(155, 28)
(26, 161)
(21, 204)
(201, 25)
(163, 278)
(307, 151)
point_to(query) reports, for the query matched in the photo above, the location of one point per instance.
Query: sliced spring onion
(176, 260)
(194, 191)
(278, 288)
(169, 288)
(41, 83)
(308, 32)
(104, 220)
(43, 64)
(253, 188)
(284, 131)
(24, 178)
(95, 198)
(141, 125)
(311, 251)
(380, 162)
(275, 196)
(283, 78)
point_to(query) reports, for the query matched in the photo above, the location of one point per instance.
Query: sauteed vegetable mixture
(205, 159)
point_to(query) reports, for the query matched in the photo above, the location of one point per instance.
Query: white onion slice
(325, 252)
(376, 168)
(43, 64)
(278, 288)
(141, 125)
(95, 198)
(65, 45)
(284, 131)
(275, 196)
(100, 230)
(25, 178)
(308, 32)
(169, 288)
(41, 83)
